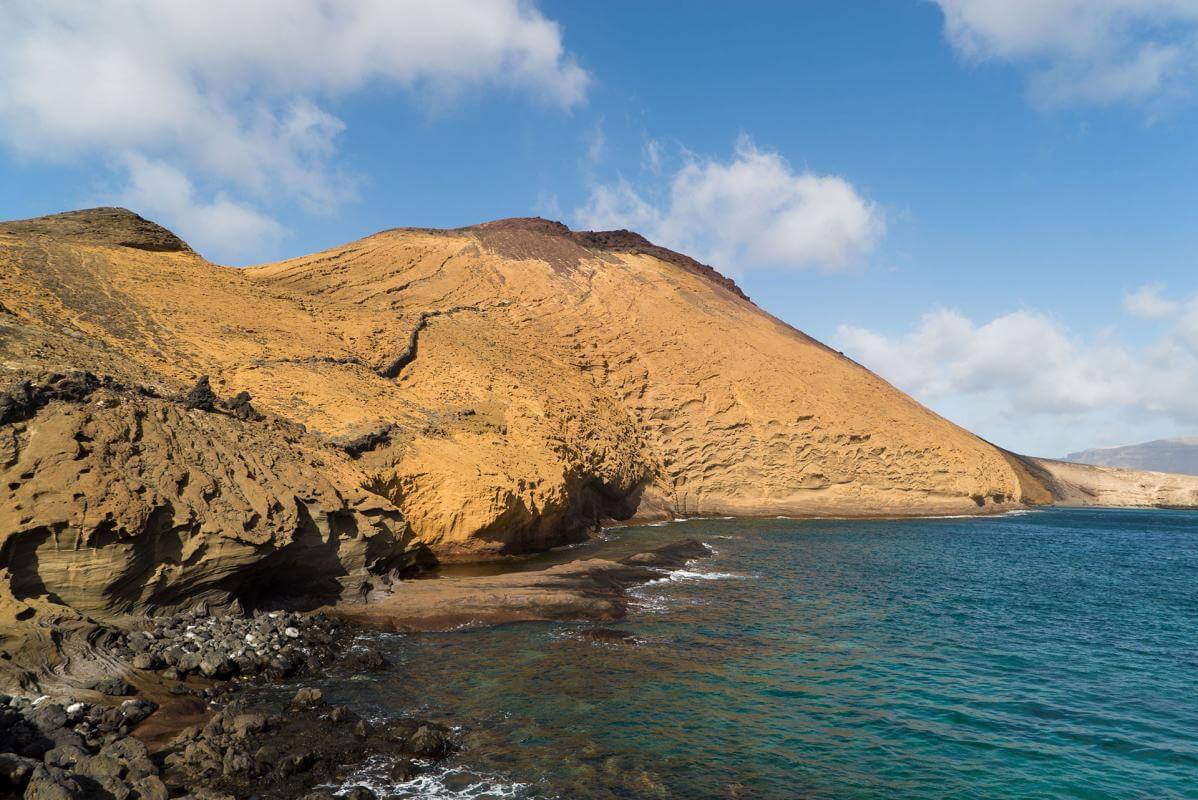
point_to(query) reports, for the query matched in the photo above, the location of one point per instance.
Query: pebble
(221, 646)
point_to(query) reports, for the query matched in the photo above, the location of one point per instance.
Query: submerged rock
(245, 752)
(607, 636)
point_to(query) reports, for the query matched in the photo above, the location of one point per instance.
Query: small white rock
(291, 633)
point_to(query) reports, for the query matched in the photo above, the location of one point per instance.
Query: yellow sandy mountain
(456, 394)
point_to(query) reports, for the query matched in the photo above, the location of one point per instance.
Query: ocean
(1047, 654)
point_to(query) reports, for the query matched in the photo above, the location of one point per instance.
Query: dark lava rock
(64, 757)
(366, 441)
(24, 399)
(134, 711)
(361, 793)
(15, 771)
(403, 770)
(148, 661)
(247, 753)
(111, 686)
(215, 665)
(342, 714)
(670, 556)
(364, 659)
(307, 696)
(429, 741)
(150, 787)
(48, 783)
(201, 397)
(85, 752)
(48, 717)
(608, 636)
(240, 407)
(225, 642)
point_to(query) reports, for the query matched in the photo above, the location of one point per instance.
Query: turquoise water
(1046, 654)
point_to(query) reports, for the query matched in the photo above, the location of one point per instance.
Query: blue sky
(990, 202)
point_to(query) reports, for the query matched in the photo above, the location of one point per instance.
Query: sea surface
(1047, 654)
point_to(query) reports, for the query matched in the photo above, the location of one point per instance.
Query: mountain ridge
(424, 395)
(1176, 455)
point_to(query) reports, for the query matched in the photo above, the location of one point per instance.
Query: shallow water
(1046, 654)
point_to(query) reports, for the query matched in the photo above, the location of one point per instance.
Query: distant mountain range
(1162, 455)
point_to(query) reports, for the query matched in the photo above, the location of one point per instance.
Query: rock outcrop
(1087, 485)
(116, 500)
(446, 395)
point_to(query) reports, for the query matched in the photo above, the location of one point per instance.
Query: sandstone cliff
(442, 394)
(1088, 485)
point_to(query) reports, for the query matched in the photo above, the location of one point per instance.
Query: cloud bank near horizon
(1026, 369)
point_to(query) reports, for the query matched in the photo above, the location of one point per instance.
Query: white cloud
(651, 157)
(230, 91)
(1026, 368)
(231, 231)
(1147, 302)
(596, 145)
(752, 211)
(1083, 51)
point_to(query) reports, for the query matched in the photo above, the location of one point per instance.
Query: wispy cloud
(1149, 302)
(1083, 51)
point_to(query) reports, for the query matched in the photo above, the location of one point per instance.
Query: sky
(991, 203)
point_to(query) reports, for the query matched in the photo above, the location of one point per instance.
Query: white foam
(1015, 512)
(470, 785)
(951, 516)
(691, 575)
(649, 604)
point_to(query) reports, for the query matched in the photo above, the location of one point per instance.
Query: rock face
(442, 394)
(124, 500)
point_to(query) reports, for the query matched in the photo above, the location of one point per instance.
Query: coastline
(592, 590)
(165, 689)
(198, 733)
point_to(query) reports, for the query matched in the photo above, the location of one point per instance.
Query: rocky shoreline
(167, 720)
(60, 748)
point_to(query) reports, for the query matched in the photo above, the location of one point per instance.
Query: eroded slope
(450, 394)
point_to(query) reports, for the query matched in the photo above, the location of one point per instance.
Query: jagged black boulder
(201, 397)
